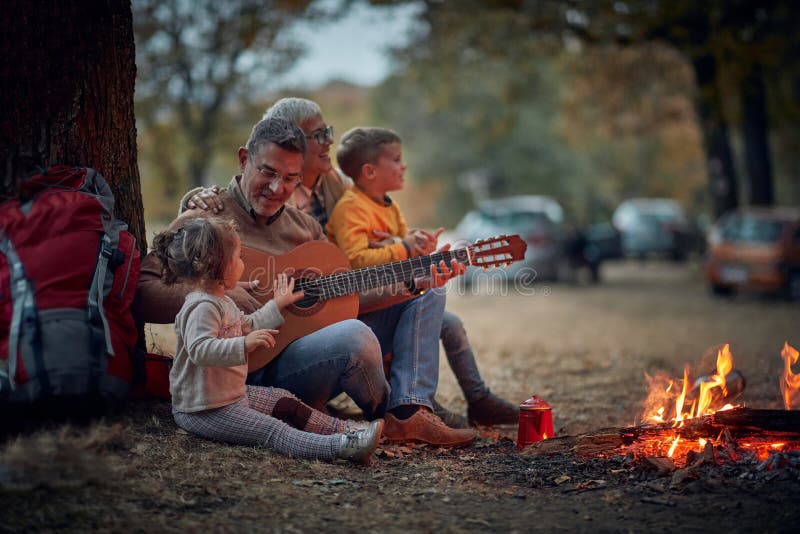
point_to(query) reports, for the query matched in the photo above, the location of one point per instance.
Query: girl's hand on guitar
(283, 291)
(259, 338)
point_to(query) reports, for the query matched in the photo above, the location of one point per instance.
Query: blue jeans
(461, 358)
(410, 331)
(342, 357)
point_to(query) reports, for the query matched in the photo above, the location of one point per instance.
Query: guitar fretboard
(349, 282)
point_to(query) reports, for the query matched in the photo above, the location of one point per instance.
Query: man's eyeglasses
(322, 136)
(271, 175)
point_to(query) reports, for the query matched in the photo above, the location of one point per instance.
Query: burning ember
(790, 382)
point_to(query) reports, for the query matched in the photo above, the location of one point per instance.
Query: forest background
(590, 102)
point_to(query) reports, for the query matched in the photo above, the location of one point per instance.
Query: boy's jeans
(342, 357)
(461, 358)
(410, 331)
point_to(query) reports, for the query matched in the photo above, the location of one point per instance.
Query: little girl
(207, 380)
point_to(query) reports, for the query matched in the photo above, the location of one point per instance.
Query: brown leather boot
(425, 427)
(492, 410)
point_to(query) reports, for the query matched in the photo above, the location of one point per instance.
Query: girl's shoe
(358, 445)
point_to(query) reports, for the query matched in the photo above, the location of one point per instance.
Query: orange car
(755, 248)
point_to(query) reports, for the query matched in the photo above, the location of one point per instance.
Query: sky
(351, 48)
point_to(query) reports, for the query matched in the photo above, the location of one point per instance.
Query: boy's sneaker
(358, 445)
(424, 426)
(492, 410)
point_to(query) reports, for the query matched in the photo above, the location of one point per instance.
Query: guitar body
(301, 318)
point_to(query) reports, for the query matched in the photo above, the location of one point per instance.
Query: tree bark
(756, 131)
(66, 95)
(723, 185)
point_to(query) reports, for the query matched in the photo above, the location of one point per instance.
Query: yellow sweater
(352, 222)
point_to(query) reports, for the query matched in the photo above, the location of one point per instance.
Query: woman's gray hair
(293, 109)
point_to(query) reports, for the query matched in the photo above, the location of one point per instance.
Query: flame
(702, 442)
(790, 382)
(724, 366)
(682, 397)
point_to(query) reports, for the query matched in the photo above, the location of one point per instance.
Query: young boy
(373, 158)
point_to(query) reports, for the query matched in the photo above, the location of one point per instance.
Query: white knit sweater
(210, 365)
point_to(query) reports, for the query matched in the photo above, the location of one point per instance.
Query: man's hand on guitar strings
(441, 276)
(283, 291)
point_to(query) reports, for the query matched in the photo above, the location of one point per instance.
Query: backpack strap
(23, 314)
(97, 291)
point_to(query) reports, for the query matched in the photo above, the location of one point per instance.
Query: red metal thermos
(535, 421)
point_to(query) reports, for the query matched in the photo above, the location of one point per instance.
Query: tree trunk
(756, 132)
(68, 74)
(719, 156)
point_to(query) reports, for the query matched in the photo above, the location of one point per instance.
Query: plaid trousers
(248, 421)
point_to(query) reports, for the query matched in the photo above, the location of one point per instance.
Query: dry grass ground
(583, 349)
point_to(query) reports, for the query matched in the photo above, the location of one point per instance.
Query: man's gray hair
(293, 109)
(282, 132)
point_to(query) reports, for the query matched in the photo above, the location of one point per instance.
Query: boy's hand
(207, 199)
(283, 294)
(425, 241)
(259, 338)
(382, 239)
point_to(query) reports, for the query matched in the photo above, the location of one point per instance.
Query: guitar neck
(366, 278)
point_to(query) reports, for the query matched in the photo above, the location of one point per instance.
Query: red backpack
(68, 274)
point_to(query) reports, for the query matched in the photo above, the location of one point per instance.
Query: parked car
(757, 249)
(537, 219)
(655, 226)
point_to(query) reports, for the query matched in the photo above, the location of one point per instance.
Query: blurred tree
(745, 41)
(196, 56)
(484, 101)
(67, 95)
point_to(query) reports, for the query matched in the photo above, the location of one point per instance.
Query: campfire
(686, 419)
(696, 421)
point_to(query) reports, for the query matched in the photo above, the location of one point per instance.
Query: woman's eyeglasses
(322, 136)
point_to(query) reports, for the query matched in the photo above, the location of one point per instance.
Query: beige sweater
(210, 365)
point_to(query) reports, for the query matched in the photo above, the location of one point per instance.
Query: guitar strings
(345, 283)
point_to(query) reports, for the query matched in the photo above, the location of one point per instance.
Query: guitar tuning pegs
(485, 268)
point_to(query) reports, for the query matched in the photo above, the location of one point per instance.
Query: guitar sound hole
(309, 300)
(306, 302)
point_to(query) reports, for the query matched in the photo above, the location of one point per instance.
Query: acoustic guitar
(331, 287)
